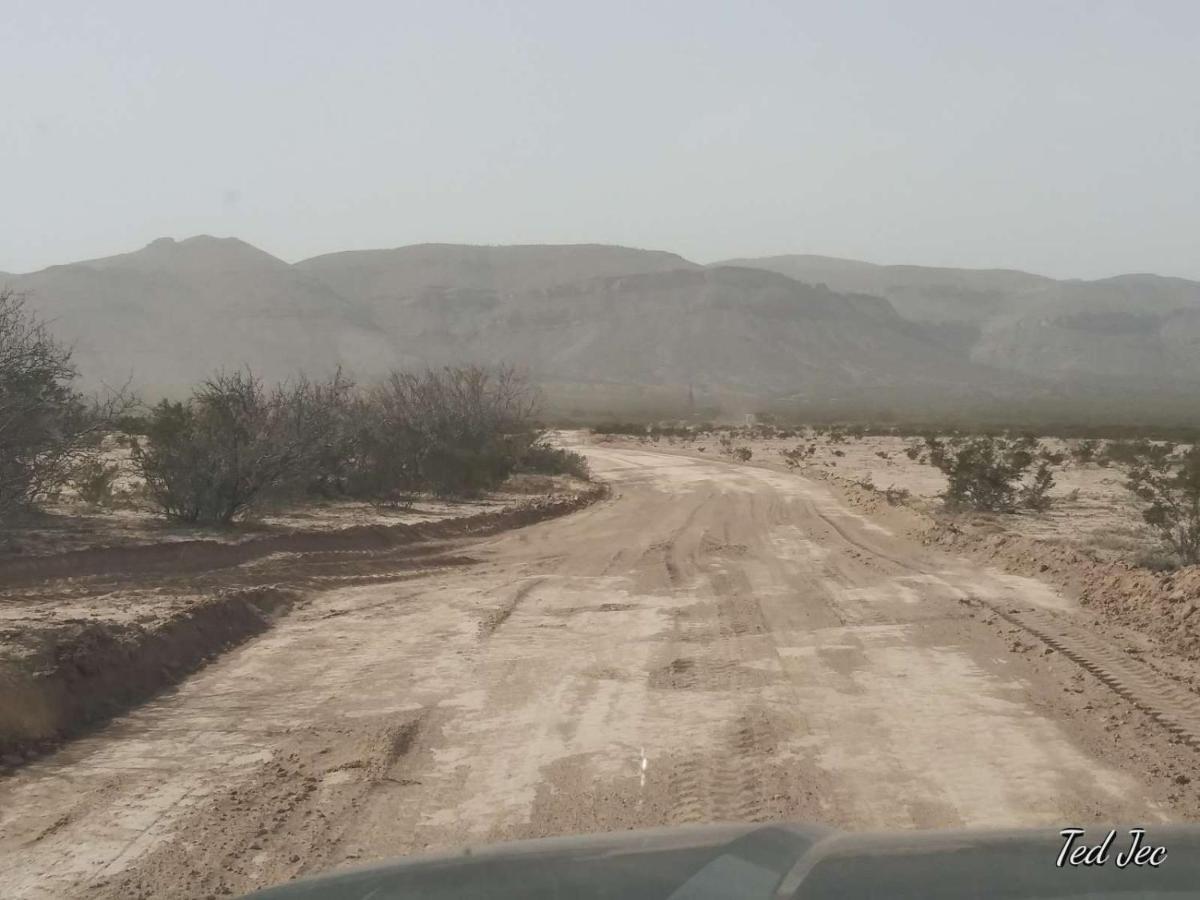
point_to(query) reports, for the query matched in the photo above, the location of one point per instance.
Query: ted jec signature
(1138, 853)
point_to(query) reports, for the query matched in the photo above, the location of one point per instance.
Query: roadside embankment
(75, 652)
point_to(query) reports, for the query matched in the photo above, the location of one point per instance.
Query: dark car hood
(773, 862)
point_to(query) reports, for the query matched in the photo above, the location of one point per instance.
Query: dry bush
(93, 480)
(794, 457)
(548, 460)
(455, 431)
(1084, 451)
(236, 444)
(47, 428)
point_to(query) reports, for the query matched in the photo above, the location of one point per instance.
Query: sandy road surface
(712, 643)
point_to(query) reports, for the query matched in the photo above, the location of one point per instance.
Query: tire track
(1174, 707)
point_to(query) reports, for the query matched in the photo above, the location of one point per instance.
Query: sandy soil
(86, 633)
(1091, 509)
(1092, 543)
(713, 642)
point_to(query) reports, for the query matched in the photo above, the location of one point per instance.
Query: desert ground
(710, 641)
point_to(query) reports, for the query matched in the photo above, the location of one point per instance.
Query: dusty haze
(1054, 138)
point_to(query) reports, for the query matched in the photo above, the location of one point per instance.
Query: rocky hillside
(611, 320)
(169, 314)
(1140, 331)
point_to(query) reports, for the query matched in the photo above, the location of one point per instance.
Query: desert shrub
(93, 480)
(1084, 451)
(743, 454)
(1157, 561)
(1170, 489)
(1035, 493)
(796, 455)
(1052, 457)
(914, 450)
(455, 431)
(984, 473)
(896, 496)
(1135, 452)
(234, 445)
(132, 424)
(883, 454)
(47, 428)
(549, 460)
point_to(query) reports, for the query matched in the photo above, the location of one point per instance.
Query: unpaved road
(712, 643)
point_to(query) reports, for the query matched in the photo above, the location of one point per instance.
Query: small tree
(47, 428)
(1170, 488)
(235, 445)
(456, 431)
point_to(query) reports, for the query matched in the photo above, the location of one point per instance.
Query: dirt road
(714, 642)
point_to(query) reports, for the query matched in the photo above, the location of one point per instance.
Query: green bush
(1084, 451)
(545, 459)
(984, 473)
(1170, 488)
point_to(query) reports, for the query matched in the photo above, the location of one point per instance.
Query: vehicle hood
(772, 862)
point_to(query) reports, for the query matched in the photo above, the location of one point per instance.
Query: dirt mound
(1165, 606)
(61, 679)
(177, 557)
(57, 677)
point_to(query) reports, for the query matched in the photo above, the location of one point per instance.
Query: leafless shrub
(235, 444)
(93, 480)
(455, 431)
(47, 428)
(794, 457)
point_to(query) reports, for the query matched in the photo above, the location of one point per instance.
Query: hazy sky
(1058, 137)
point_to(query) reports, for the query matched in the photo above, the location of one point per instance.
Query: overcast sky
(1057, 137)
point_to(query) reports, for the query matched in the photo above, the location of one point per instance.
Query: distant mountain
(371, 274)
(172, 312)
(582, 314)
(920, 293)
(596, 323)
(722, 328)
(438, 283)
(1142, 329)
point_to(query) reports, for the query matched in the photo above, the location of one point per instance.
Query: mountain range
(602, 325)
